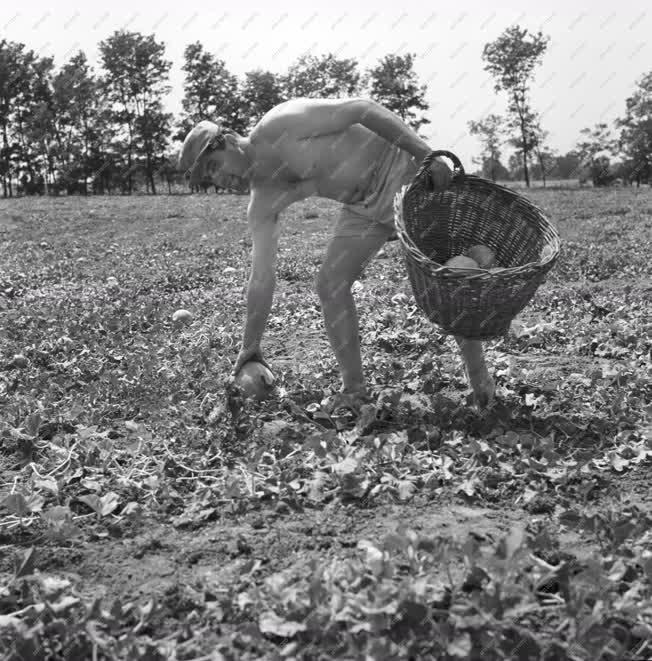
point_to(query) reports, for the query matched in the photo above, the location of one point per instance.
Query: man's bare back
(335, 166)
(307, 147)
(332, 148)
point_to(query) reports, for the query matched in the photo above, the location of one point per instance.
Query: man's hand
(440, 174)
(247, 355)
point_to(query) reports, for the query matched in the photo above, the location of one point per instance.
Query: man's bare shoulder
(274, 121)
(296, 117)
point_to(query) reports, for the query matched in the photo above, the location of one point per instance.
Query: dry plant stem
(476, 370)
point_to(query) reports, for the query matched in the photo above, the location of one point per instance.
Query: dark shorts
(374, 215)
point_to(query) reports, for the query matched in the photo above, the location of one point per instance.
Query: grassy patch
(146, 514)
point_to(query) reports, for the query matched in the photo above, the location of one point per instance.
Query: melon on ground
(182, 317)
(255, 380)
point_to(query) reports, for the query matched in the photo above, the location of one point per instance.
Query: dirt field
(144, 516)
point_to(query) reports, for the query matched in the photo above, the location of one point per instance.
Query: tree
(37, 123)
(168, 170)
(135, 83)
(80, 123)
(545, 166)
(595, 149)
(524, 140)
(261, 91)
(568, 166)
(49, 123)
(85, 126)
(394, 84)
(492, 169)
(636, 131)
(15, 63)
(322, 76)
(545, 156)
(515, 166)
(210, 91)
(32, 128)
(66, 120)
(489, 130)
(511, 60)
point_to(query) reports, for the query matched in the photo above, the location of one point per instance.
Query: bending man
(351, 150)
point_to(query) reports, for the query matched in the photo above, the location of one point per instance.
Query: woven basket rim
(436, 268)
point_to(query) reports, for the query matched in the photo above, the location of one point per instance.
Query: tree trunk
(6, 180)
(150, 174)
(526, 174)
(50, 187)
(129, 154)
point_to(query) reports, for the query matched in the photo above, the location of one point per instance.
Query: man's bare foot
(476, 370)
(348, 399)
(484, 393)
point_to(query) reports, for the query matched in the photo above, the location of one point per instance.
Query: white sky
(597, 51)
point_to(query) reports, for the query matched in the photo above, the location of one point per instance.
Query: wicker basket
(434, 226)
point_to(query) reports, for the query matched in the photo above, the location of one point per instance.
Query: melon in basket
(483, 255)
(461, 262)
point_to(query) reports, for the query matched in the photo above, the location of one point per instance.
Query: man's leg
(346, 257)
(476, 370)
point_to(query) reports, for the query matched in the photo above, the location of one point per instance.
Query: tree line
(600, 155)
(79, 130)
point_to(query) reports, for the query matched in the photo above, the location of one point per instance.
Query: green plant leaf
(17, 504)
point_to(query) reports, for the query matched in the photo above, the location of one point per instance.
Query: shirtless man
(351, 150)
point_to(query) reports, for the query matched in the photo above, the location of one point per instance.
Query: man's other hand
(440, 174)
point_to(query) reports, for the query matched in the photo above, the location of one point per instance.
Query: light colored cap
(202, 136)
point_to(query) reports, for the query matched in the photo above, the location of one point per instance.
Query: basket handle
(458, 168)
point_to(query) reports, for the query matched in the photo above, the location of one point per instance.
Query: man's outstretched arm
(262, 280)
(390, 126)
(309, 118)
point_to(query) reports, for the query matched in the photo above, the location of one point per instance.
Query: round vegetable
(483, 255)
(462, 262)
(255, 380)
(19, 360)
(181, 317)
